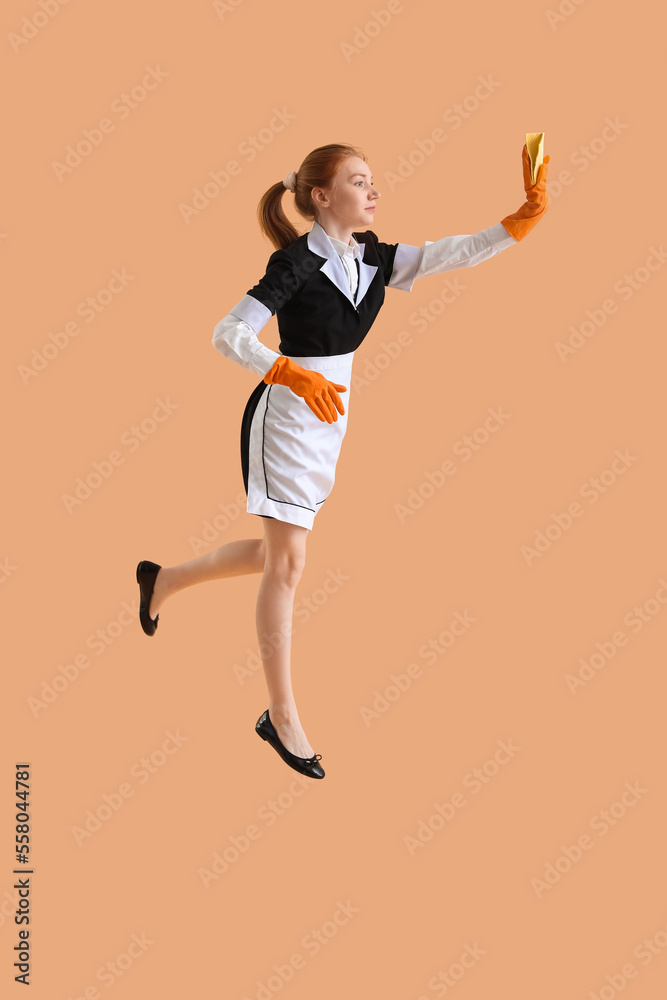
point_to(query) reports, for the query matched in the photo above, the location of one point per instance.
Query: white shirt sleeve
(447, 254)
(237, 340)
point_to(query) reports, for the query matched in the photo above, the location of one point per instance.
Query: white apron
(291, 454)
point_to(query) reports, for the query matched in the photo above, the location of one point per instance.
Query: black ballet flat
(146, 573)
(305, 765)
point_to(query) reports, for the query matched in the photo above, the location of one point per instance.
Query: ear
(319, 196)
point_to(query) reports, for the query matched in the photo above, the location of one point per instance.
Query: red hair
(319, 169)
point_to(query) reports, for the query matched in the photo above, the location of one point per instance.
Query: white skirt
(288, 454)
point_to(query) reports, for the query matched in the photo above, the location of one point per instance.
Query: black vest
(307, 288)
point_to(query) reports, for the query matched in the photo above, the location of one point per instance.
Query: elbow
(218, 337)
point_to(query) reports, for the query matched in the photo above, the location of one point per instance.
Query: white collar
(320, 243)
(352, 249)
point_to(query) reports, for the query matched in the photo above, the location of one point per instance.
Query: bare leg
(285, 558)
(232, 559)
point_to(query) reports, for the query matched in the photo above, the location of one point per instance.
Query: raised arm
(448, 254)
(404, 263)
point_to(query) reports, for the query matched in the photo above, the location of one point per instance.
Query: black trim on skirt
(246, 422)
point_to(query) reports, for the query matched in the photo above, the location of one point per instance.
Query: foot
(291, 734)
(160, 593)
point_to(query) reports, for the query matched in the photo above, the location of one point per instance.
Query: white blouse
(348, 254)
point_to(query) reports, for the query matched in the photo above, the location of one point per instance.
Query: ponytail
(317, 170)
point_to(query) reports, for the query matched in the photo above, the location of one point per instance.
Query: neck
(339, 232)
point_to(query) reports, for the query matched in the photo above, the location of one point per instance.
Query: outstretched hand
(542, 173)
(520, 223)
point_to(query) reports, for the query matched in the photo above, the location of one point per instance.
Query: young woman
(326, 288)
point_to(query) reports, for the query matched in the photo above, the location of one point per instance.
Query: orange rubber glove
(537, 199)
(320, 394)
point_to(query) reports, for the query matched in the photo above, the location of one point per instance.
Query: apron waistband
(323, 363)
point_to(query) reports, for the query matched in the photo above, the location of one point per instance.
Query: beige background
(335, 859)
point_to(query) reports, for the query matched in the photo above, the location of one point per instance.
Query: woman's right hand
(320, 394)
(520, 223)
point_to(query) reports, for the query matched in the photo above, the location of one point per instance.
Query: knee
(286, 567)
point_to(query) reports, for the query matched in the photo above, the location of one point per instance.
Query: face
(351, 198)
